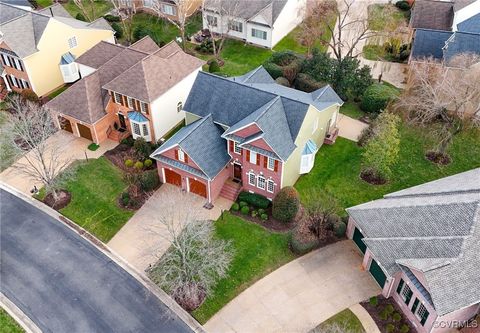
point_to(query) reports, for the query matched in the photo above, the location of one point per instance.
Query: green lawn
(57, 92)
(95, 190)
(44, 3)
(257, 252)
(352, 110)
(8, 324)
(385, 17)
(101, 7)
(345, 319)
(337, 167)
(240, 57)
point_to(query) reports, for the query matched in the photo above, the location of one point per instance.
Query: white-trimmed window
(72, 42)
(14, 81)
(235, 26)
(181, 155)
(261, 182)
(117, 97)
(140, 130)
(251, 179)
(167, 9)
(259, 34)
(271, 164)
(6, 60)
(212, 20)
(315, 125)
(179, 106)
(148, 3)
(136, 128)
(143, 107)
(24, 84)
(306, 163)
(17, 64)
(236, 148)
(145, 129)
(130, 102)
(270, 185)
(253, 157)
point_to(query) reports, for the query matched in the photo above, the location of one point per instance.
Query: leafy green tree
(381, 151)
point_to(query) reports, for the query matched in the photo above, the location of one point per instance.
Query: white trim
(250, 173)
(270, 181)
(252, 153)
(188, 184)
(264, 182)
(268, 163)
(163, 175)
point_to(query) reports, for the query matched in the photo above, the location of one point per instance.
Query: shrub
(365, 136)
(213, 67)
(254, 213)
(404, 328)
(149, 180)
(404, 55)
(243, 204)
(339, 228)
(261, 211)
(390, 328)
(373, 301)
(274, 70)
(283, 58)
(282, 81)
(80, 17)
(128, 163)
(254, 199)
(147, 163)
(206, 46)
(299, 246)
(141, 31)
(403, 5)
(286, 204)
(143, 148)
(128, 141)
(29, 95)
(93, 146)
(396, 316)
(376, 97)
(118, 30)
(125, 198)
(235, 207)
(138, 165)
(112, 18)
(383, 314)
(244, 210)
(389, 309)
(264, 216)
(305, 82)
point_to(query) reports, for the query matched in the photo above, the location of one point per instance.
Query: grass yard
(57, 92)
(386, 17)
(337, 167)
(257, 253)
(352, 110)
(345, 320)
(44, 3)
(95, 190)
(100, 8)
(8, 324)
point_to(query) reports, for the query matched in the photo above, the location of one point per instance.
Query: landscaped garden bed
(345, 321)
(387, 315)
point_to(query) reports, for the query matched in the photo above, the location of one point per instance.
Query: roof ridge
(261, 10)
(415, 238)
(431, 194)
(197, 124)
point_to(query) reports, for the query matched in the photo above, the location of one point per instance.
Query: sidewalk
(350, 128)
(367, 321)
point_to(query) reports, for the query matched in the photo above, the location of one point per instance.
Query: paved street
(65, 284)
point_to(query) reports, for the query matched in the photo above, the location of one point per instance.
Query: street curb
(102, 247)
(21, 318)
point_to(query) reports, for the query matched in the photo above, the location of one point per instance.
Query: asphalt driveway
(65, 284)
(299, 295)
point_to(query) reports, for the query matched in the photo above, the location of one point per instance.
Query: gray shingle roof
(470, 25)
(203, 143)
(459, 4)
(434, 228)
(429, 43)
(258, 75)
(429, 14)
(99, 54)
(461, 42)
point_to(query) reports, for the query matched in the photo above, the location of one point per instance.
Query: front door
(237, 172)
(121, 118)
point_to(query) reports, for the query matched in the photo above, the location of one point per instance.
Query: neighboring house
(167, 8)
(422, 246)
(444, 29)
(137, 90)
(261, 22)
(37, 48)
(22, 4)
(246, 132)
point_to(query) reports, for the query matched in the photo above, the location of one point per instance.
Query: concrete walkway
(73, 148)
(350, 128)
(143, 239)
(299, 295)
(367, 321)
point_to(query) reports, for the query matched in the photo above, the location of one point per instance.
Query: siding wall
(291, 16)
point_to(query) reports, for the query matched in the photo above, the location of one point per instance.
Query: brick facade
(12, 71)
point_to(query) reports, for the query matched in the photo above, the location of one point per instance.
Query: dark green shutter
(424, 317)
(409, 297)
(415, 305)
(400, 285)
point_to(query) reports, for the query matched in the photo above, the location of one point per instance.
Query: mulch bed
(119, 154)
(63, 199)
(437, 157)
(137, 198)
(371, 178)
(374, 312)
(270, 224)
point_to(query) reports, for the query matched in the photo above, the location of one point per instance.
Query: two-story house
(247, 133)
(37, 48)
(165, 8)
(422, 246)
(137, 90)
(261, 22)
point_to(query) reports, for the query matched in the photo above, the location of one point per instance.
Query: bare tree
(312, 27)
(90, 16)
(321, 208)
(184, 9)
(195, 260)
(443, 96)
(28, 129)
(126, 10)
(223, 13)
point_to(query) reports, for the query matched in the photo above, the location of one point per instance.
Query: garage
(65, 124)
(84, 132)
(357, 238)
(172, 177)
(197, 187)
(377, 273)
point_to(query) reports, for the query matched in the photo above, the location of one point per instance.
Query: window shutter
(136, 107)
(176, 154)
(231, 146)
(112, 96)
(424, 317)
(21, 65)
(186, 158)
(258, 159)
(400, 286)
(248, 155)
(415, 305)
(123, 100)
(276, 166)
(265, 161)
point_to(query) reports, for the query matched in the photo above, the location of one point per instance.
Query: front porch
(331, 137)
